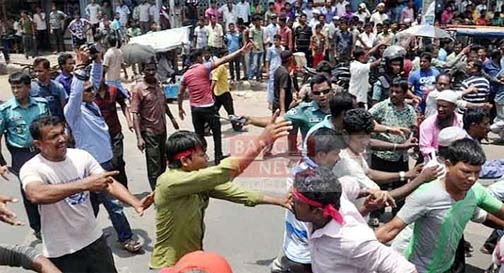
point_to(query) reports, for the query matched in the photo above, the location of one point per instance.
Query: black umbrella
(136, 53)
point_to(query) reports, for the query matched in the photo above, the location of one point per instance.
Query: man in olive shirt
(183, 192)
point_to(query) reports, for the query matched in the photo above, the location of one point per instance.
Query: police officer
(306, 114)
(51, 90)
(16, 115)
(394, 60)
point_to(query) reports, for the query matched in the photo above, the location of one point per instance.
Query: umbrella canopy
(137, 53)
(427, 31)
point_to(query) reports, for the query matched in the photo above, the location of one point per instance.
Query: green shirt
(440, 222)
(181, 199)
(257, 36)
(26, 26)
(305, 115)
(15, 120)
(388, 114)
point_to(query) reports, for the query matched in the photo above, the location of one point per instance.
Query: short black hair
(478, 64)
(426, 55)
(467, 151)
(341, 102)
(324, 66)
(19, 78)
(62, 58)
(318, 79)
(357, 121)
(45, 62)
(182, 141)
(358, 52)
(195, 54)
(320, 185)
(444, 74)
(42, 121)
(401, 83)
(277, 36)
(474, 116)
(324, 140)
(495, 53)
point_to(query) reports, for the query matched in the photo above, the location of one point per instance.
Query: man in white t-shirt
(42, 36)
(124, 12)
(60, 181)
(144, 16)
(92, 12)
(359, 75)
(154, 12)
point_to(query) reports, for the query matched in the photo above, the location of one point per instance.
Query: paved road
(249, 237)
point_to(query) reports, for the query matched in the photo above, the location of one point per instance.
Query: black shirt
(303, 35)
(282, 79)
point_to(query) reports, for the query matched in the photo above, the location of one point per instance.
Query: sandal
(131, 245)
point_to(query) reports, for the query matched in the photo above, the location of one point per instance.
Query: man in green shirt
(28, 30)
(441, 209)
(182, 193)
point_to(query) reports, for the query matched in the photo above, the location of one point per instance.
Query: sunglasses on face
(325, 92)
(89, 89)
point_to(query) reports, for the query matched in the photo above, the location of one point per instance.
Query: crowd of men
(354, 202)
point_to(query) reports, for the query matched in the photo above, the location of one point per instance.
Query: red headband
(185, 153)
(329, 210)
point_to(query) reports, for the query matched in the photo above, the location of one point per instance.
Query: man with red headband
(183, 192)
(335, 221)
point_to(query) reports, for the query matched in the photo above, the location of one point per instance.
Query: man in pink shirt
(197, 81)
(445, 117)
(285, 33)
(213, 11)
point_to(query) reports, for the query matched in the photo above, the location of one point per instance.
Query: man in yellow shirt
(220, 87)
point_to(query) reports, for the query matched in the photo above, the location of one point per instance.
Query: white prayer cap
(449, 135)
(449, 96)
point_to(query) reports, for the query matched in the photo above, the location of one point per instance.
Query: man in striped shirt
(476, 79)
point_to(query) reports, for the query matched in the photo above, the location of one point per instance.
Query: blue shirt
(65, 80)
(90, 131)
(96, 74)
(492, 69)
(54, 93)
(15, 120)
(273, 57)
(233, 41)
(422, 81)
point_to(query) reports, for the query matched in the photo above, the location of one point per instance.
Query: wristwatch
(402, 176)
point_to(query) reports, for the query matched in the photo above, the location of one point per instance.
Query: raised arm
(232, 56)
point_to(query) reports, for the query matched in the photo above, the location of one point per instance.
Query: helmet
(393, 53)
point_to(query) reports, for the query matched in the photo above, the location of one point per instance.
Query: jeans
(96, 257)
(234, 69)
(57, 35)
(155, 155)
(114, 208)
(203, 115)
(29, 45)
(255, 65)
(117, 159)
(225, 100)
(19, 157)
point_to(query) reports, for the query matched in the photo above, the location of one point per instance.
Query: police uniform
(305, 115)
(15, 122)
